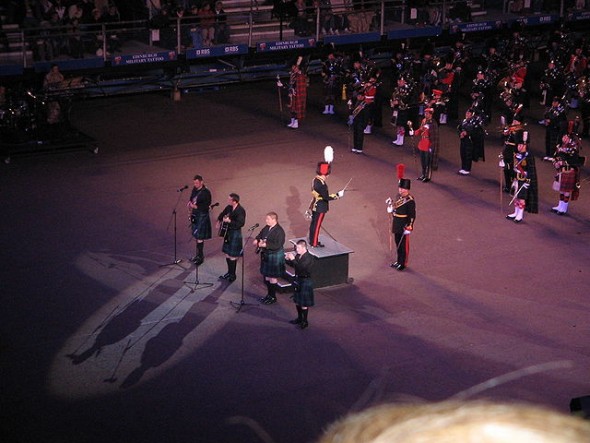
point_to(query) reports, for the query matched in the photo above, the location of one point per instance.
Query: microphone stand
(196, 284)
(241, 304)
(176, 260)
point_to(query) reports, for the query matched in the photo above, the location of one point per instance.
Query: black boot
(272, 294)
(232, 270)
(304, 323)
(263, 299)
(299, 318)
(227, 275)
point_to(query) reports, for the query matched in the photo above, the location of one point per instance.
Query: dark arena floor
(99, 342)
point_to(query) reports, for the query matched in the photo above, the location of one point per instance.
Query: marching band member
(400, 103)
(198, 205)
(360, 119)
(524, 186)
(230, 223)
(428, 144)
(567, 164)
(554, 120)
(331, 73)
(513, 136)
(403, 211)
(320, 203)
(370, 93)
(469, 129)
(297, 94)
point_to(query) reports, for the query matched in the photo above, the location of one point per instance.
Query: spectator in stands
(221, 28)
(44, 9)
(75, 38)
(300, 24)
(193, 26)
(460, 12)
(207, 18)
(4, 38)
(112, 17)
(87, 7)
(75, 12)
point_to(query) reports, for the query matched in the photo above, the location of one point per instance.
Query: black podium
(331, 267)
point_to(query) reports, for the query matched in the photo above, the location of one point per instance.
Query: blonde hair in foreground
(458, 422)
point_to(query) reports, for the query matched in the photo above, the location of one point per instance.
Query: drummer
(54, 78)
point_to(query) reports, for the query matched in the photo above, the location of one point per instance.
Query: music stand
(197, 284)
(242, 303)
(176, 260)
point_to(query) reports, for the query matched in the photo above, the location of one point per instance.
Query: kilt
(272, 263)
(232, 243)
(303, 295)
(201, 225)
(568, 180)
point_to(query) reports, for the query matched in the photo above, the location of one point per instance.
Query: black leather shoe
(510, 217)
(303, 325)
(263, 299)
(270, 301)
(224, 276)
(231, 278)
(421, 178)
(297, 321)
(425, 180)
(518, 221)
(394, 265)
(400, 267)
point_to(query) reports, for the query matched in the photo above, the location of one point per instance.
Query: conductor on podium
(320, 203)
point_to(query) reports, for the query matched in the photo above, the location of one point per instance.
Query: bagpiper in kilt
(297, 95)
(303, 262)
(198, 205)
(231, 220)
(567, 163)
(269, 243)
(524, 187)
(555, 121)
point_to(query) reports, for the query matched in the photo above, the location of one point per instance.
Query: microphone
(254, 227)
(182, 189)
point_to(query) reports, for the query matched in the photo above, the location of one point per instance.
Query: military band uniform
(404, 215)
(320, 206)
(567, 163)
(524, 187)
(556, 125)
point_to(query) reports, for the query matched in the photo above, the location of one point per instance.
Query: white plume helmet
(328, 154)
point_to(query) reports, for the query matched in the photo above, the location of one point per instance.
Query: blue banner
(427, 31)
(536, 20)
(76, 64)
(11, 70)
(137, 59)
(216, 51)
(286, 45)
(475, 26)
(576, 16)
(347, 39)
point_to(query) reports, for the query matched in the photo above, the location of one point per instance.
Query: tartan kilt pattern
(232, 243)
(201, 225)
(272, 263)
(303, 295)
(568, 180)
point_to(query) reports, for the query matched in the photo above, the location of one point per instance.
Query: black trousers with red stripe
(403, 248)
(314, 228)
